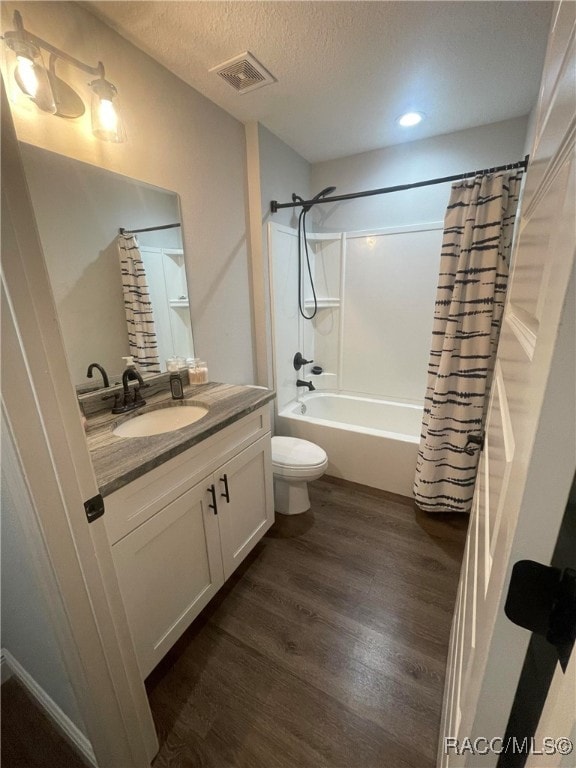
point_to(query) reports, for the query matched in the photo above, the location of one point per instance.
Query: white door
(245, 503)
(558, 723)
(168, 569)
(528, 460)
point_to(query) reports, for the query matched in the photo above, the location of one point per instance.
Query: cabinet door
(168, 569)
(245, 503)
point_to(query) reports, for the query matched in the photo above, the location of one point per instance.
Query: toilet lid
(295, 452)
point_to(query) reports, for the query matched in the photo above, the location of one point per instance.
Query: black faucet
(308, 384)
(123, 402)
(105, 378)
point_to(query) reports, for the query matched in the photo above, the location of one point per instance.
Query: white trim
(273, 229)
(262, 342)
(519, 322)
(321, 236)
(401, 230)
(5, 670)
(322, 302)
(274, 226)
(60, 719)
(340, 352)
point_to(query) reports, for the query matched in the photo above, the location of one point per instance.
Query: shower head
(326, 191)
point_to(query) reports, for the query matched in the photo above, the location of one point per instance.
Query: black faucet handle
(299, 361)
(118, 400)
(138, 399)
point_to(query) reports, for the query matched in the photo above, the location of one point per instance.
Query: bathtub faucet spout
(308, 384)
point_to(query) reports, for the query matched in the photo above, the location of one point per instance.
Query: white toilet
(295, 463)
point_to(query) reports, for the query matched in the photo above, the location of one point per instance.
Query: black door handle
(542, 599)
(214, 505)
(226, 493)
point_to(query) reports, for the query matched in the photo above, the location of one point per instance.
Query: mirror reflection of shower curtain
(138, 307)
(470, 297)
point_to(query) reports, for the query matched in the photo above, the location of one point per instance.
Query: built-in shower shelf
(324, 302)
(179, 303)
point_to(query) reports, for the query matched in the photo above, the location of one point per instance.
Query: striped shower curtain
(470, 298)
(138, 307)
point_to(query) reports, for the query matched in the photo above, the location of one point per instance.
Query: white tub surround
(375, 291)
(370, 336)
(368, 441)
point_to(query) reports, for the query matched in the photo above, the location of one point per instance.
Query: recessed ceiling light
(410, 119)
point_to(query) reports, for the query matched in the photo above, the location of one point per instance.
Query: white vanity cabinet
(171, 548)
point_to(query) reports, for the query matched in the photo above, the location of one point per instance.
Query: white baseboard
(61, 721)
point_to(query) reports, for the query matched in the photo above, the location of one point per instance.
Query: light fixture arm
(23, 34)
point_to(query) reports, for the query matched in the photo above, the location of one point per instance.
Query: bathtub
(368, 441)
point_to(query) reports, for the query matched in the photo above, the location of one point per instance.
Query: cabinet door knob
(226, 493)
(214, 505)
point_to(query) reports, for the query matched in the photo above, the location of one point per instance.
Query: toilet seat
(297, 458)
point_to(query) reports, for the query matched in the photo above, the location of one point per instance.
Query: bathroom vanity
(184, 508)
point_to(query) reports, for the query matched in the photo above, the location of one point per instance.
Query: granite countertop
(118, 460)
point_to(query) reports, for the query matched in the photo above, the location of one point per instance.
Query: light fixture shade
(27, 70)
(107, 123)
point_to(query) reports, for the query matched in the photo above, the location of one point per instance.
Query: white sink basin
(161, 420)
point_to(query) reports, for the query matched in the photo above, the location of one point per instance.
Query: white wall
(177, 140)
(475, 148)
(28, 631)
(282, 172)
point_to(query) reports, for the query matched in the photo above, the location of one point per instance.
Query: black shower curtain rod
(148, 229)
(275, 205)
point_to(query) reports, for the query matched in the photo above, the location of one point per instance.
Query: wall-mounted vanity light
(51, 94)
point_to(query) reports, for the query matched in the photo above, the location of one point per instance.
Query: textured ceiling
(346, 70)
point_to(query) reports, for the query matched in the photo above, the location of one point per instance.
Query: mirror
(79, 210)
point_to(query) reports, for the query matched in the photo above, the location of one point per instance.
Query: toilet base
(291, 497)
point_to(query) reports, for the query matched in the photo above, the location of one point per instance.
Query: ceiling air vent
(244, 73)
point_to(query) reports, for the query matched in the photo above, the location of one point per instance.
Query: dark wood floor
(326, 648)
(29, 740)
